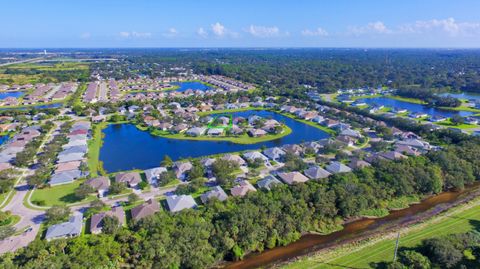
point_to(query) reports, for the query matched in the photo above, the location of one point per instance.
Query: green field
(45, 72)
(457, 220)
(94, 146)
(59, 195)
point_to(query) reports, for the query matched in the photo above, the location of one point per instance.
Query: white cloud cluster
(218, 29)
(135, 34)
(377, 27)
(263, 31)
(202, 32)
(448, 26)
(172, 32)
(316, 32)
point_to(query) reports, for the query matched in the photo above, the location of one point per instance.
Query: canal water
(463, 95)
(353, 230)
(125, 147)
(411, 107)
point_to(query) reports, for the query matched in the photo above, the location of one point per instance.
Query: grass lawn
(462, 108)
(94, 146)
(229, 110)
(457, 220)
(241, 139)
(406, 99)
(448, 123)
(171, 184)
(59, 195)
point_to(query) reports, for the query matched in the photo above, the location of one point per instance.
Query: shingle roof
(293, 177)
(316, 172)
(216, 192)
(73, 227)
(149, 208)
(179, 202)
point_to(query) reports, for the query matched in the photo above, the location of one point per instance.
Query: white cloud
(263, 31)
(85, 35)
(377, 27)
(135, 34)
(201, 32)
(447, 26)
(172, 32)
(218, 29)
(317, 32)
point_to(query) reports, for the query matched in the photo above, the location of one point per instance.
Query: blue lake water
(4, 139)
(411, 107)
(463, 95)
(4, 95)
(55, 105)
(125, 147)
(193, 85)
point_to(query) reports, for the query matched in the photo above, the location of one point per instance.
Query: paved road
(29, 218)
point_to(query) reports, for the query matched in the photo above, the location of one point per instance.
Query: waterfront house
(274, 153)
(131, 179)
(153, 174)
(100, 184)
(196, 131)
(253, 155)
(234, 158)
(181, 169)
(256, 132)
(215, 131)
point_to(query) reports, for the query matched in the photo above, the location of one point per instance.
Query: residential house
(337, 167)
(242, 188)
(181, 169)
(316, 172)
(274, 153)
(234, 158)
(215, 193)
(96, 222)
(146, 209)
(253, 155)
(358, 164)
(268, 182)
(196, 131)
(100, 184)
(71, 228)
(131, 179)
(292, 177)
(178, 203)
(153, 174)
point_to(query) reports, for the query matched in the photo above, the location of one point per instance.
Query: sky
(240, 23)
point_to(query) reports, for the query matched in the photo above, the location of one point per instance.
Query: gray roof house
(153, 174)
(196, 131)
(75, 149)
(316, 172)
(274, 153)
(216, 193)
(181, 168)
(65, 177)
(180, 202)
(71, 228)
(234, 158)
(337, 167)
(268, 182)
(70, 157)
(252, 155)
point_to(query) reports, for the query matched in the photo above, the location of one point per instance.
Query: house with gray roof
(65, 177)
(215, 131)
(71, 228)
(178, 203)
(215, 193)
(316, 172)
(70, 157)
(337, 167)
(153, 174)
(75, 149)
(253, 155)
(234, 158)
(274, 153)
(196, 131)
(181, 169)
(268, 182)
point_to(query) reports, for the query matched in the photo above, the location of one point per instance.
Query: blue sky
(235, 23)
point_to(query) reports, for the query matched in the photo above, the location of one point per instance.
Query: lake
(3, 139)
(463, 95)
(4, 95)
(193, 85)
(55, 105)
(411, 107)
(125, 147)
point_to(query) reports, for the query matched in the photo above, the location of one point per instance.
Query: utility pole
(396, 248)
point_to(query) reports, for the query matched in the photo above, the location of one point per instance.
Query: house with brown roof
(132, 179)
(146, 209)
(96, 222)
(292, 177)
(242, 188)
(100, 184)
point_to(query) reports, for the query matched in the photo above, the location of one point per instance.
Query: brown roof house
(132, 179)
(149, 208)
(242, 188)
(100, 184)
(96, 223)
(292, 177)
